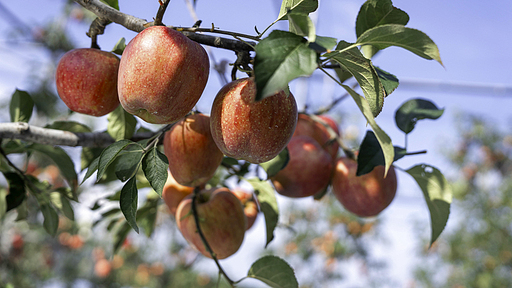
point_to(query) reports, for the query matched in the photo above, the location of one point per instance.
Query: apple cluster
(152, 81)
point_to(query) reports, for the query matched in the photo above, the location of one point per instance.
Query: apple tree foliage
(133, 155)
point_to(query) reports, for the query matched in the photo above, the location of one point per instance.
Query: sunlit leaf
(268, 205)
(438, 195)
(302, 25)
(119, 47)
(379, 12)
(385, 142)
(21, 106)
(63, 204)
(363, 71)
(397, 35)
(280, 58)
(296, 7)
(274, 272)
(121, 124)
(277, 164)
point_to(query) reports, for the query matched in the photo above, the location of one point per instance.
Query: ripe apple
(308, 172)
(223, 222)
(193, 155)
(250, 205)
(309, 127)
(87, 81)
(249, 130)
(174, 192)
(162, 75)
(365, 195)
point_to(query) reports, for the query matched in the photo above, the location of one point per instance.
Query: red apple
(250, 205)
(162, 75)
(222, 222)
(307, 173)
(249, 130)
(174, 192)
(365, 195)
(316, 130)
(193, 155)
(87, 81)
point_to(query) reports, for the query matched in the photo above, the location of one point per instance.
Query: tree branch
(133, 23)
(30, 133)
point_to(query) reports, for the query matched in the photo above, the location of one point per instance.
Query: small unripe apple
(223, 222)
(174, 192)
(307, 173)
(87, 81)
(248, 130)
(309, 127)
(193, 155)
(366, 195)
(162, 75)
(250, 204)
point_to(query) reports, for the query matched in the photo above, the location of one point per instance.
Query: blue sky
(473, 38)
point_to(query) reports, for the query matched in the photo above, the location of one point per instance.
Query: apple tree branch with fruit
(254, 132)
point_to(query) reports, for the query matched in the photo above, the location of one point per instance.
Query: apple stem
(161, 12)
(97, 28)
(205, 242)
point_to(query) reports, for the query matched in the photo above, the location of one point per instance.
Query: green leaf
(280, 58)
(70, 126)
(274, 272)
(109, 155)
(327, 43)
(62, 203)
(437, 193)
(413, 110)
(155, 166)
(21, 106)
(397, 35)
(112, 3)
(61, 160)
(268, 205)
(363, 71)
(13, 146)
(121, 124)
(51, 219)
(119, 47)
(121, 230)
(383, 138)
(388, 80)
(277, 164)
(146, 216)
(128, 162)
(93, 167)
(302, 25)
(370, 154)
(374, 13)
(88, 155)
(296, 7)
(3, 202)
(17, 192)
(128, 203)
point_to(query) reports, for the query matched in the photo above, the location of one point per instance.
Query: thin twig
(161, 12)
